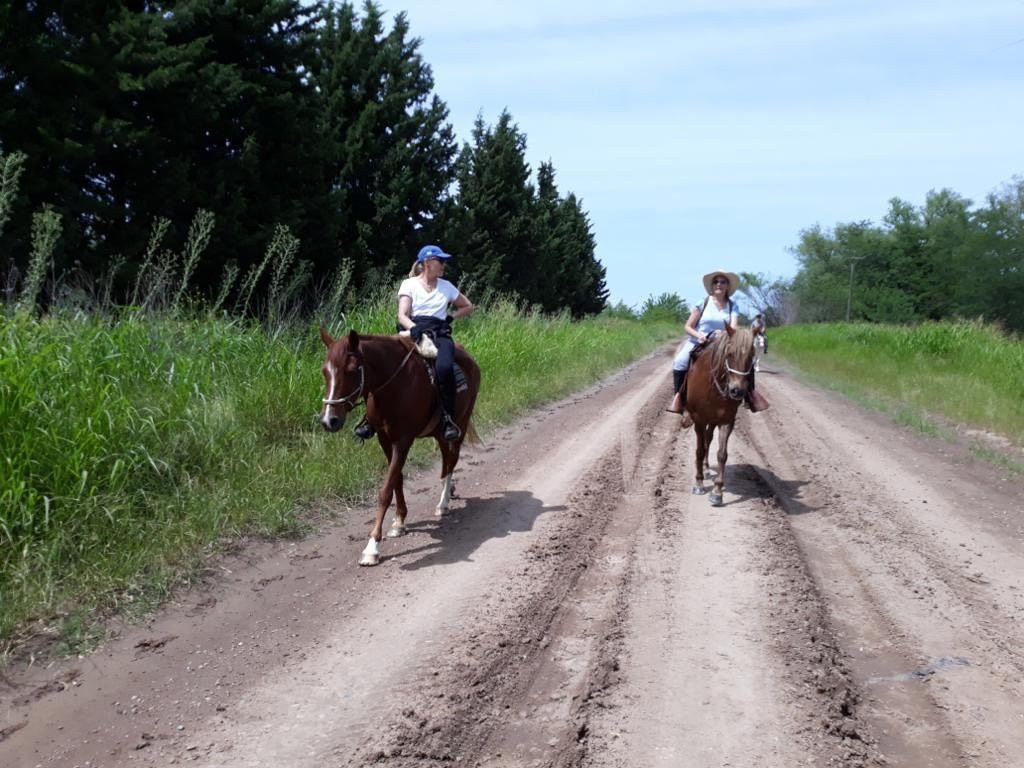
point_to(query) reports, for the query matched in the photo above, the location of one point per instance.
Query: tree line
(945, 259)
(133, 119)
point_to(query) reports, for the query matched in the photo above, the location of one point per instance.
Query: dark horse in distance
(402, 404)
(718, 381)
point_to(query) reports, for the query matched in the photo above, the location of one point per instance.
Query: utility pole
(849, 292)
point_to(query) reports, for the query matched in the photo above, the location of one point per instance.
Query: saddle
(698, 350)
(428, 355)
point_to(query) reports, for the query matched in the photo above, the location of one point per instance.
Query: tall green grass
(133, 449)
(963, 372)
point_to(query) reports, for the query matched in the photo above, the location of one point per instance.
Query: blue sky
(704, 135)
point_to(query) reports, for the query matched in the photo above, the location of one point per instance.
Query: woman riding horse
(423, 302)
(712, 316)
(401, 402)
(719, 379)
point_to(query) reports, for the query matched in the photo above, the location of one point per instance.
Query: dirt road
(859, 600)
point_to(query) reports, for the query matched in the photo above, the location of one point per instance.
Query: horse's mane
(740, 340)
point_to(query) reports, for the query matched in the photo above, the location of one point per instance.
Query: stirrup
(363, 430)
(451, 429)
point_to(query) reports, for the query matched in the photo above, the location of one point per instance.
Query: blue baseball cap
(432, 252)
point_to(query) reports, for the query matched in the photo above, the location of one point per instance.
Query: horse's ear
(353, 341)
(326, 337)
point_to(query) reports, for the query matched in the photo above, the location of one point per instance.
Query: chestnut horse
(402, 404)
(716, 384)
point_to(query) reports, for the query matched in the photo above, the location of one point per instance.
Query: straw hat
(732, 277)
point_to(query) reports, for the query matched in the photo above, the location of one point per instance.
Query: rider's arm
(404, 310)
(735, 321)
(463, 307)
(691, 325)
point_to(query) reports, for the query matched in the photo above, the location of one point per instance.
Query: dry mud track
(858, 600)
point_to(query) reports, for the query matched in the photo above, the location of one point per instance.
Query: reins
(352, 400)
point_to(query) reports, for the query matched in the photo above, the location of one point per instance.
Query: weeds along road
(859, 600)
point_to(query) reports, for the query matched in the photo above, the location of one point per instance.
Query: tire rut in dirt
(814, 686)
(933, 640)
(512, 690)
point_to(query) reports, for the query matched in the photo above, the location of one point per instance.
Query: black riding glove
(416, 333)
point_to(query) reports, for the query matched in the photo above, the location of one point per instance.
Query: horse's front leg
(700, 432)
(399, 451)
(723, 454)
(401, 510)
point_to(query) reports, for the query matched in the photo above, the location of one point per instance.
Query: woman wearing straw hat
(712, 316)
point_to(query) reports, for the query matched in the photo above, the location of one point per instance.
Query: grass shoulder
(953, 380)
(137, 450)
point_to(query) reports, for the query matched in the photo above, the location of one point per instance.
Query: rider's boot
(756, 402)
(451, 429)
(363, 430)
(679, 387)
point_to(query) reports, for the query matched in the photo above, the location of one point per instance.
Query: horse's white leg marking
(397, 527)
(446, 495)
(371, 555)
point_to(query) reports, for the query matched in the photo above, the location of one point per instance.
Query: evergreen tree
(391, 150)
(582, 287)
(134, 110)
(493, 230)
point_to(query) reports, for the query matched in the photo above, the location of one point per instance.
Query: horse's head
(344, 377)
(732, 362)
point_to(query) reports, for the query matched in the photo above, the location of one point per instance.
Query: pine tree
(391, 150)
(494, 207)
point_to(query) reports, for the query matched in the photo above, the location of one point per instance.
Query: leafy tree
(819, 292)
(937, 261)
(669, 307)
(992, 283)
(772, 298)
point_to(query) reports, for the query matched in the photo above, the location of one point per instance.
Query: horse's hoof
(395, 531)
(716, 499)
(440, 511)
(699, 490)
(369, 560)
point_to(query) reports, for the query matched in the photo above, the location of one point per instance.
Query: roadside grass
(929, 376)
(135, 449)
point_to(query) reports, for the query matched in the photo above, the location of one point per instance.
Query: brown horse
(402, 404)
(717, 382)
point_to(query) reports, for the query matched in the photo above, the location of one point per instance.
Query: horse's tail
(471, 434)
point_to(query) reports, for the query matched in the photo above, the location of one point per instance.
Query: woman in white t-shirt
(716, 312)
(427, 303)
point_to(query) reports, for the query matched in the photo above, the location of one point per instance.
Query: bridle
(353, 399)
(729, 369)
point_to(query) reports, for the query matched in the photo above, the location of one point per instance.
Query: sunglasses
(719, 281)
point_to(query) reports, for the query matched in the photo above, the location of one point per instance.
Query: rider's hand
(416, 333)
